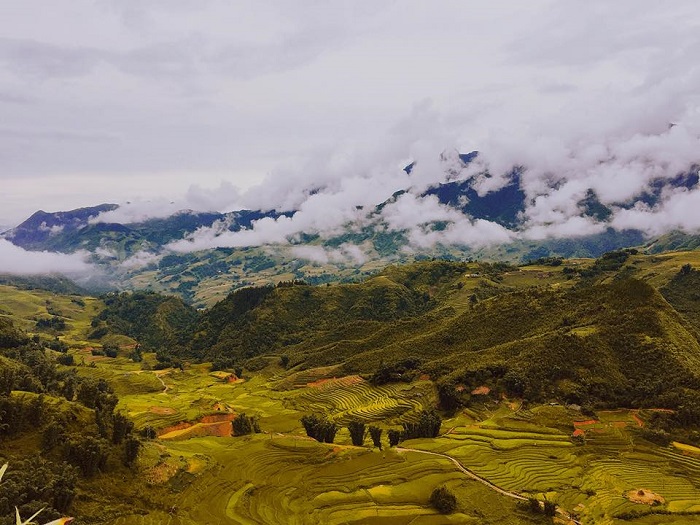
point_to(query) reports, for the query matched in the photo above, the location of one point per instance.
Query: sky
(317, 105)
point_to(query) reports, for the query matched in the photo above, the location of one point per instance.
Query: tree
(319, 428)
(376, 435)
(121, 427)
(394, 437)
(427, 426)
(443, 500)
(52, 435)
(132, 447)
(244, 425)
(110, 350)
(89, 454)
(148, 432)
(357, 433)
(549, 508)
(448, 396)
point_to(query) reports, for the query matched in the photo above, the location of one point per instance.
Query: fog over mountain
(585, 117)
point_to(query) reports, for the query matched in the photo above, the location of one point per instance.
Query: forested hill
(576, 331)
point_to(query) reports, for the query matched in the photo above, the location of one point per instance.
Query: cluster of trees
(535, 506)
(52, 323)
(443, 500)
(322, 429)
(37, 482)
(158, 322)
(427, 426)
(405, 370)
(244, 425)
(73, 443)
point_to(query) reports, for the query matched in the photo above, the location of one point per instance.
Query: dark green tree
(357, 433)
(132, 447)
(443, 500)
(244, 425)
(376, 435)
(121, 427)
(394, 437)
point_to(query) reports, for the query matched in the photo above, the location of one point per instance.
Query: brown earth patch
(586, 422)
(218, 425)
(335, 382)
(645, 497)
(638, 420)
(217, 418)
(164, 411)
(482, 390)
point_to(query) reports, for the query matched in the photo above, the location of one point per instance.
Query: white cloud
(346, 253)
(581, 94)
(679, 211)
(15, 260)
(140, 260)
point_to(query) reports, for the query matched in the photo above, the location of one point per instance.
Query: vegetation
(244, 425)
(393, 356)
(357, 433)
(442, 500)
(320, 428)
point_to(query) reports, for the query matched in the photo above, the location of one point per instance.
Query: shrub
(376, 435)
(319, 428)
(443, 500)
(394, 437)
(244, 425)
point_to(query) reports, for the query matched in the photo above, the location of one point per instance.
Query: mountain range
(162, 250)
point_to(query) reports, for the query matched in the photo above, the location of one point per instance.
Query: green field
(469, 329)
(281, 476)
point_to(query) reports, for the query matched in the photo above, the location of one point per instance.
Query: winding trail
(165, 387)
(564, 513)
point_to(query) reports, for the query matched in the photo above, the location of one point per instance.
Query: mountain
(140, 254)
(597, 324)
(37, 231)
(584, 372)
(67, 232)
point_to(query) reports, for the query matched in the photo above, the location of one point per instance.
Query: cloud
(325, 103)
(346, 253)
(678, 211)
(139, 260)
(15, 260)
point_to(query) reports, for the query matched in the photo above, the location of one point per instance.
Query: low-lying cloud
(15, 260)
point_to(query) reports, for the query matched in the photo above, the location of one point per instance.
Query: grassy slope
(23, 307)
(282, 477)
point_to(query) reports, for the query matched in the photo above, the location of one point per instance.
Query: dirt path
(565, 514)
(165, 387)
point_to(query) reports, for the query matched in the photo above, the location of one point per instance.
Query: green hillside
(573, 382)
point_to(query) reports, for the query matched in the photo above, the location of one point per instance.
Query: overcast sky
(195, 101)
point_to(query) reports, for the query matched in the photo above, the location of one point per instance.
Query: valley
(586, 402)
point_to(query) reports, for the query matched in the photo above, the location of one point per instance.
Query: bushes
(88, 453)
(244, 425)
(357, 433)
(443, 500)
(320, 428)
(427, 426)
(376, 435)
(405, 370)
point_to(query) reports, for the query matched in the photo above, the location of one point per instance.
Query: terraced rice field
(353, 398)
(272, 480)
(282, 476)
